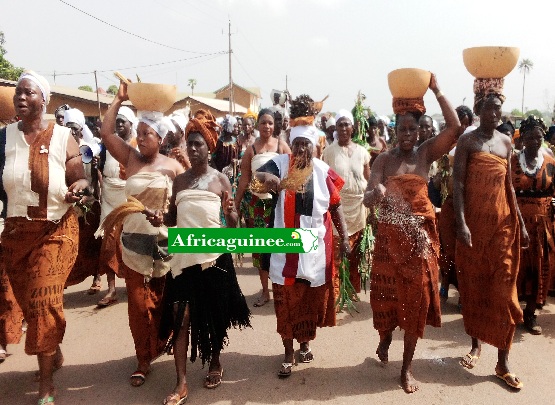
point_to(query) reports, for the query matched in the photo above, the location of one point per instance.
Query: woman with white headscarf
(113, 195)
(352, 162)
(144, 262)
(174, 143)
(41, 177)
(88, 209)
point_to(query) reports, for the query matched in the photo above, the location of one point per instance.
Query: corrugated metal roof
(220, 105)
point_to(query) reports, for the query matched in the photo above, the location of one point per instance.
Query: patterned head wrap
(404, 105)
(205, 124)
(483, 88)
(532, 122)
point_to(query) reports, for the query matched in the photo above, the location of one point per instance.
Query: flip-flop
(47, 400)
(94, 289)
(215, 373)
(303, 356)
(138, 378)
(174, 399)
(469, 361)
(285, 370)
(511, 380)
(260, 302)
(107, 301)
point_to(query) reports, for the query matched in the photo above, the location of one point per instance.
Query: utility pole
(231, 104)
(286, 96)
(97, 96)
(54, 76)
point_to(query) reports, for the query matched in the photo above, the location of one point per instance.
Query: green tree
(7, 70)
(192, 83)
(86, 88)
(535, 112)
(113, 89)
(516, 112)
(524, 66)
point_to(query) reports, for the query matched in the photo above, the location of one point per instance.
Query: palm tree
(192, 83)
(524, 66)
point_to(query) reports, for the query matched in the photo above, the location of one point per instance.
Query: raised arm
(439, 145)
(117, 147)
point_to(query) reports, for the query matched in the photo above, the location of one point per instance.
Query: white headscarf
(229, 123)
(181, 118)
(330, 122)
(76, 116)
(41, 83)
(344, 114)
(156, 121)
(129, 115)
(309, 132)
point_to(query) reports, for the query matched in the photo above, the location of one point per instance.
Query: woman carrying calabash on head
(144, 263)
(42, 177)
(403, 287)
(203, 294)
(490, 232)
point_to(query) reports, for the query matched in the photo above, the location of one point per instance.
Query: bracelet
(439, 94)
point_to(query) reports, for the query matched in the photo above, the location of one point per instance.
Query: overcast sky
(334, 47)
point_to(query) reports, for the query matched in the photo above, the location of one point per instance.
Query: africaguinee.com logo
(242, 240)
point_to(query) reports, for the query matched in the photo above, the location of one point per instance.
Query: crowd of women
(190, 170)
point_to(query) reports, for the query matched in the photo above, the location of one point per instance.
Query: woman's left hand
(345, 247)
(76, 191)
(228, 205)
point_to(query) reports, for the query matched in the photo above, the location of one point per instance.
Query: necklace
(488, 143)
(537, 162)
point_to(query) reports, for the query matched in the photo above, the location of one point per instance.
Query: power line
(215, 54)
(130, 33)
(245, 70)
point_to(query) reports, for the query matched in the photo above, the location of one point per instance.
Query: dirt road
(99, 358)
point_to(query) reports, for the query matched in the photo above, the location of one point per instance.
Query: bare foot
(408, 382)
(383, 350)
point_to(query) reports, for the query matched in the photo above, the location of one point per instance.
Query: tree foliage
(86, 88)
(7, 70)
(113, 90)
(192, 83)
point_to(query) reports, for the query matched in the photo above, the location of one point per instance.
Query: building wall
(240, 97)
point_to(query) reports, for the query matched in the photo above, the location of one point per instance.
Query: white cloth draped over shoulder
(195, 209)
(143, 244)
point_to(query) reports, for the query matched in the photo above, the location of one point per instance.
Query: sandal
(217, 381)
(260, 302)
(138, 378)
(3, 355)
(306, 357)
(469, 361)
(95, 287)
(175, 399)
(47, 400)
(107, 301)
(285, 370)
(511, 380)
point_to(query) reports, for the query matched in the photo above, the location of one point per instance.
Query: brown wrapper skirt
(39, 256)
(300, 309)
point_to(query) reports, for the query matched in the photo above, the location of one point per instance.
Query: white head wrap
(330, 122)
(181, 118)
(156, 121)
(129, 115)
(229, 123)
(309, 132)
(76, 116)
(41, 82)
(169, 123)
(344, 114)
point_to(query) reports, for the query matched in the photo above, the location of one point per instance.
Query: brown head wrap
(483, 88)
(205, 124)
(405, 105)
